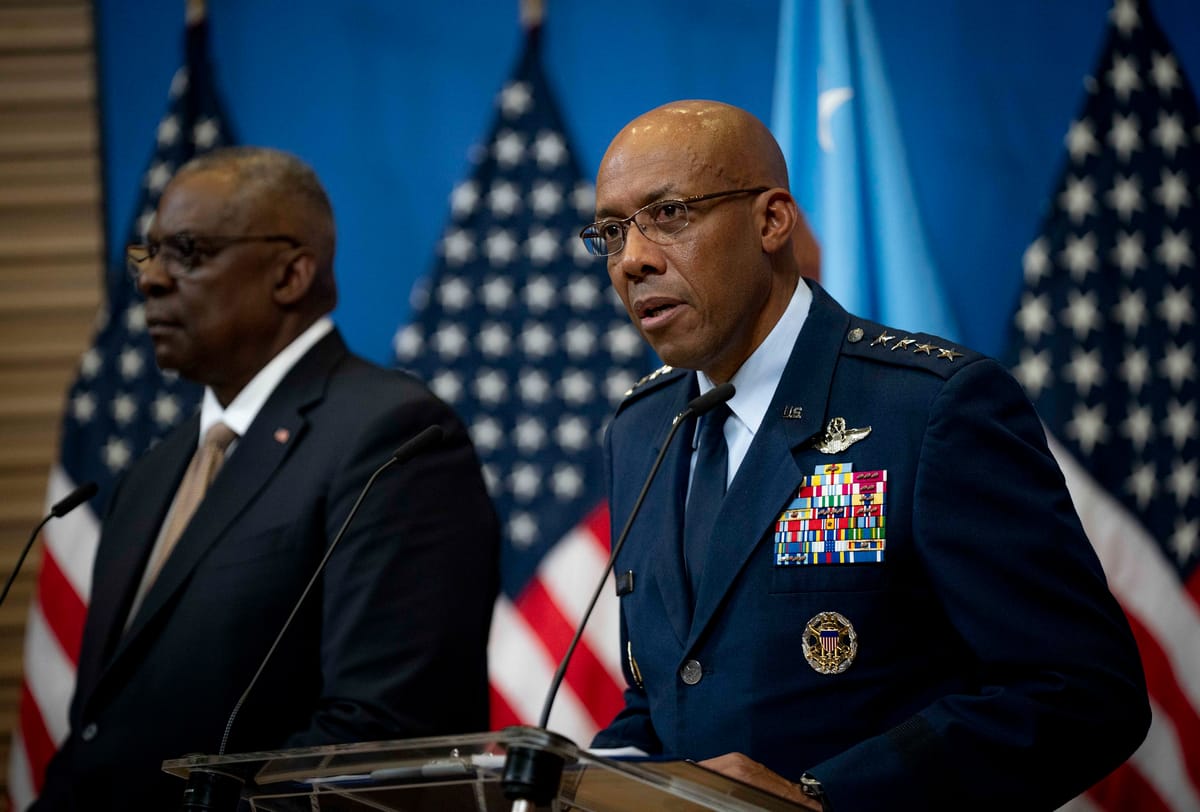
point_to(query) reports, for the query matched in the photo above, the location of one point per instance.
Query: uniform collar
(758, 378)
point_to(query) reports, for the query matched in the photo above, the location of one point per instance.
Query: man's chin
(168, 363)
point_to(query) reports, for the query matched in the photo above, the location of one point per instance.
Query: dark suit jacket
(994, 668)
(391, 643)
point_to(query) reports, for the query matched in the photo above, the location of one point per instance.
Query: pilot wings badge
(838, 438)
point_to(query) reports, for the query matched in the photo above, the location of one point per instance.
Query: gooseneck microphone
(61, 508)
(531, 775)
(418, 444)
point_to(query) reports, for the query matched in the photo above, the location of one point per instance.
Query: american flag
(118, 406)
(1105, 344)
(518, 330)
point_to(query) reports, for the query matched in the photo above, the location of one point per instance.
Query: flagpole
(532, 14)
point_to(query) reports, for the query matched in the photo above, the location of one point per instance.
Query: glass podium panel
(460, 773)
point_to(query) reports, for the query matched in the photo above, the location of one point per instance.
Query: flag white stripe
(72, 539)
(1137, 574)
(1160, 761)
(1079, 804)
(49, 673)
(569, 572)
(20, 777)
(603, 634)
(521, 671)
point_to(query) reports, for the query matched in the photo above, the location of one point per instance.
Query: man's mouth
(651, 312)
(656, 312)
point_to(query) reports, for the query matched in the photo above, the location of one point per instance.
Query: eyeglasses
(659, 222)
(181, 253)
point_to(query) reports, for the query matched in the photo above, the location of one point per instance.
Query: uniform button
(855, 335)
(691, 672)
(89, 732)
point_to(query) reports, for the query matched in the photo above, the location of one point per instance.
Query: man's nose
(153, 279)
(639, 256)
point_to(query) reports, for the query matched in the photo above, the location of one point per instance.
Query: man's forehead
(636, 174)
(202, 199)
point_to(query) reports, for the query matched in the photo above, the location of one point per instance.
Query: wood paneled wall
(51, 254)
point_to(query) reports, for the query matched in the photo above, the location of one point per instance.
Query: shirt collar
(242, 410)
(758, 378)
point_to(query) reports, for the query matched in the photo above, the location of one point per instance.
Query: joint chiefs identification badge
(830, 643)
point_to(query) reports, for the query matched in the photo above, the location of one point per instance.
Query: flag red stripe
(586, 675)
(39, 747)
(502, 714)
(591, 681)
(1126, 788)
(1164, 689)
(62, 607)
(1193, 586)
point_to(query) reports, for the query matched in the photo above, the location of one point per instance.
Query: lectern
(449, 774)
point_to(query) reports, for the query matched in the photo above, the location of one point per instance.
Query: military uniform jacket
(993, 668)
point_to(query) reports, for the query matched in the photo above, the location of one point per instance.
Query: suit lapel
(122, 573)
(769, 473)
(277, 428)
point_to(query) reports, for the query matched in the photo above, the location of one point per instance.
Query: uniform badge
(830, 643)
(839, 516)
(838, 438)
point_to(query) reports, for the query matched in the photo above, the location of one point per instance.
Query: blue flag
(835, 121)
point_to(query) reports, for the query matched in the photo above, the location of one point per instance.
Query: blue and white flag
(836, 123)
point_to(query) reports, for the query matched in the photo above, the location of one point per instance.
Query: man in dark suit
(237, 272)
(887, 602)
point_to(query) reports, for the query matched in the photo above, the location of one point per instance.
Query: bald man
(864, 585)
(237, 274)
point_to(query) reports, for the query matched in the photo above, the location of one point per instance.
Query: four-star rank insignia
(830, 643)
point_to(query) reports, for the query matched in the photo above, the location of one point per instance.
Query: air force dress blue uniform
(898, 598)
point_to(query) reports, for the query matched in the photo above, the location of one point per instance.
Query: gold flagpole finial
(195, 11)
(532, 12)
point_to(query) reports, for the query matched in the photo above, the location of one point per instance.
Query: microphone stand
(532, 772)
(64, 506)
(208, 789)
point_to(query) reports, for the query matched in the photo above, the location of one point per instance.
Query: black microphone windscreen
(74, 499)
(711, 398)
(429, 437)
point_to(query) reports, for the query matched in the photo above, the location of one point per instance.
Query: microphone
(218, 790)
(61, 508)
(417, 444)
(522, 780)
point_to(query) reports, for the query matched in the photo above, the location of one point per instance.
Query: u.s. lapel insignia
(793, 412)
(838, 438)
(830, 643)
(634, 671)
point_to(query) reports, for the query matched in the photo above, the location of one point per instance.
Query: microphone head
(419, 443)
(710, 399)
(74, 499)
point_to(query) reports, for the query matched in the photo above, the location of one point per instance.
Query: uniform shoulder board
(660, 374)
(918, 350)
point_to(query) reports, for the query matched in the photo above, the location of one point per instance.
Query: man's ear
(779, 217)
(295, 277)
